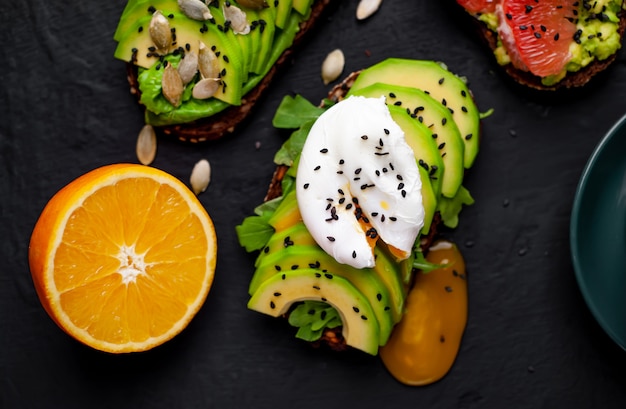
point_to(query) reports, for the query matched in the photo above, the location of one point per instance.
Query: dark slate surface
(531, 342)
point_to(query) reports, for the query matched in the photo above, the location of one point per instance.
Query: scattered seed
(205, 88)
(160, 32)
(237, 18)
(333, 65)
(172, 85)
(195, 9)
(188, 67)
(146, 145)
(200, 176)
(366, 8)
(208, 63)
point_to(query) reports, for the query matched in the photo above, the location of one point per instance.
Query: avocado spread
(596, 36)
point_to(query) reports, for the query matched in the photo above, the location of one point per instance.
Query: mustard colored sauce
(424, 345)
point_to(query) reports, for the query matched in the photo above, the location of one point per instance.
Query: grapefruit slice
(479, 6)
(537, 34)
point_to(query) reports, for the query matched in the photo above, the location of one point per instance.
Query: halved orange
(123, 257)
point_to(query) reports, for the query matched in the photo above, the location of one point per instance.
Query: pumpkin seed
(146, 145)
(200, 176)
(205, 88)
(195, 9)
(208, 63)
(254, 4)
(333, 65)
(160, 32)
(172, 85)
(366, 8)
(188, 67)
(237, 19)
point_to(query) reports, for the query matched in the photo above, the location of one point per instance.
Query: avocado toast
(233, 50)
(553, 43)
(297, 273)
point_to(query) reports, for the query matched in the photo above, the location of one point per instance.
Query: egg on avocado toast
(360, 189)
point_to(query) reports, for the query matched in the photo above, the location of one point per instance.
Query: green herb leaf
(486, 114)
(292, 147)
(311, 318)
(450, 208)
(254, 232)
(293, 112)
(425, 266)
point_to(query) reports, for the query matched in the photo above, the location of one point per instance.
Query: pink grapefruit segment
(538, 33)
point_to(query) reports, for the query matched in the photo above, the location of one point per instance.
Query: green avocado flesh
(244, 59)
(436, 117)
(292, 272)
(442, 85)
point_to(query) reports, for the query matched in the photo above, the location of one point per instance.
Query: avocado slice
(277, 294)
(266, 30)
(302, 6)
(294, 235)
(138, 9)
(287, 213)
(135, 45)
(420, 139)
(438, 119)
(439, 83)
(283, 11)
(429, 200)
(366, 281)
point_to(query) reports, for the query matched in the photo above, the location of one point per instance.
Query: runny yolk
(424, 345)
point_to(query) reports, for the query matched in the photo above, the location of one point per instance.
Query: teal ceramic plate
(598, 233)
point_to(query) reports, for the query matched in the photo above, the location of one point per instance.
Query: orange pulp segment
(123, 257)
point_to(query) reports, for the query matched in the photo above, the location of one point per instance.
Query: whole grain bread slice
(332, 338)
(226, 121)
(571, 80)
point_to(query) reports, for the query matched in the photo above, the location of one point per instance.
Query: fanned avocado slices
(245, 43)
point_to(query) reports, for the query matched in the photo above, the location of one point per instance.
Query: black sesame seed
(330, 238)
(363, 317)
(356, 309)
(295, 267)
(272, 305)
(441, 145)
(392, 95)
(403, 193)
(537, 34)
(529, 9)
(349, 206)
(393, 218)
(468, 137)
(324, 150)
(340, 191)
(441, 80)
(354, 254)
(357, 171)
(329, 276)
(277, 294)
(386, 131)
(341, 161)
(448, 289)
(306, 186)
(400, 186)
(364, 137)
(379, 297)
(318, 275)
(397, 103)
(443, 121)
(317, 167)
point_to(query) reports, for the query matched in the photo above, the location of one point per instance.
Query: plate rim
(574, 225)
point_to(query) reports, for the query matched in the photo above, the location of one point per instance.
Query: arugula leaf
(449, 208)
(293, 146)
(254, 233)
(293, 112)
(425, 266)
(311, 318)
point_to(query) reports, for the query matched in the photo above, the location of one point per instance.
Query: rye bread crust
(571, 80)
(226, 121)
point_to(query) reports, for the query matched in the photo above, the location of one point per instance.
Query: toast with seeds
(296, 275)
(553, 44)
(198, 69)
